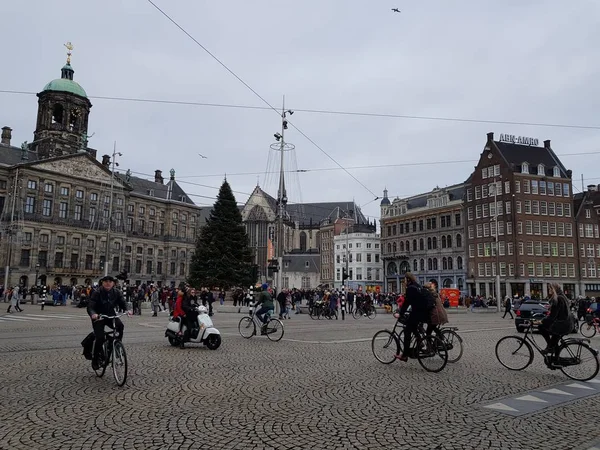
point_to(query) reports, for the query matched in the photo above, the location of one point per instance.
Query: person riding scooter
(189, 307)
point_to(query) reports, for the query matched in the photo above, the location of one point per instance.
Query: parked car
(526, 311)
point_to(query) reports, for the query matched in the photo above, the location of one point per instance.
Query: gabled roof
(455, 192)
(590, 196)
(11, 156)
(516, 154)
(168, 191)
(297, 263)
(304, 213)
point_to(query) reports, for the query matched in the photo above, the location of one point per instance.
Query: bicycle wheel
(274, 330)
(247, 327)
(514, 352)
(313, 313)
(433, 356)
(385, 347)
(119, 363)
(577, 361)
(454, 345)
(357, 313)
(372, 313)
(587, 329)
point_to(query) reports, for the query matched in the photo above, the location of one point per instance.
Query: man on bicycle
(266, 301)
(103, 302)
(419, 312)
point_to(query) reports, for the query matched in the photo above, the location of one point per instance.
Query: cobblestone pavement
(320, 387)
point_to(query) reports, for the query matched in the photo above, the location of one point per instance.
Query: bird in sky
(396, 10)
(202, 156)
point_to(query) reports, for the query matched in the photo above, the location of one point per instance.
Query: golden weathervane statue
(69, 47)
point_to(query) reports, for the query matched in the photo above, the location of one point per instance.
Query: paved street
(320, 387)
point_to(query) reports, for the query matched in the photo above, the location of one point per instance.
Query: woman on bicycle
(558, 322)
(438, 315)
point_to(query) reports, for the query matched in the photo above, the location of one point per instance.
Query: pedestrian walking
(507, 308)
(13, 298)
(155, 300)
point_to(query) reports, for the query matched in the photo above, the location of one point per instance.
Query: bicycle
(364, 309)
(569, 354)
(251, 321)
(425, 346)
(113, 352)
(453, 342)
(590, 327)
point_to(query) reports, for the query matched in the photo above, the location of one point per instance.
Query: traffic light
(345, 275)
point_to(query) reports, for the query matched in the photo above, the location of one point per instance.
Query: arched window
(435, 264)
(447, 282)
(434, 242)
(429, 264)
(443, 241)
(460, 284)
(525, 167)
(541, 170)
(402, 246)
(422, 263)
(459, 263)
(415, 266)
(450, 263)
(389, 247)
(394, 247)
(408, 246)
(421, 244)
(556, 172)
(444, 263)
(458, 240)
(302, 241)
(414, 245)
(428, 243)
(57, 114)
(449, 241)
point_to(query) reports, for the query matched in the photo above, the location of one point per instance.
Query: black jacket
(104, 302)
(414, 298)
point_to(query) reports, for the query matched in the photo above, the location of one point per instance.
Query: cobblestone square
(320, 387)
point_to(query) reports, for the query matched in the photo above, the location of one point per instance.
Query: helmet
(202, 309)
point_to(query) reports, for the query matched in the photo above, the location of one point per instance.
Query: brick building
(523, 192)
(587, 217)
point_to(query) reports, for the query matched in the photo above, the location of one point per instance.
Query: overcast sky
(514, 60)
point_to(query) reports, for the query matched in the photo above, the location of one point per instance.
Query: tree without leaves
(222, 257)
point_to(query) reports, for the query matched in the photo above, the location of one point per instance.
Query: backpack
(88, 344)
(428, 298)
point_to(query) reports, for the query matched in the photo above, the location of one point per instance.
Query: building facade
(56, 206)
(587, 217)
(424, 234)
(301, 270)
(357, 247)
(520, 221)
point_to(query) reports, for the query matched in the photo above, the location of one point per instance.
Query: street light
(37, 271)
(152, 278)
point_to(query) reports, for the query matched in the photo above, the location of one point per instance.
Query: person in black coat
(419, 311)
(507, 308)
(103, 302)
(558, 322)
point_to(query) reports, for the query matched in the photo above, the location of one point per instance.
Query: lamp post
(110, 205)
(152, 278)
(37, 271)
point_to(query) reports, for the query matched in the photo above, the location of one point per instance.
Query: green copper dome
(66, 83)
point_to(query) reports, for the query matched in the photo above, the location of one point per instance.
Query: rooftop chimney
(592, 187)
(547, 143)
(6, 135)
(158, 178)
(106, 160)
(490, 136)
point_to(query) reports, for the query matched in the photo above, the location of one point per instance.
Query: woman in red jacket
(178, 311)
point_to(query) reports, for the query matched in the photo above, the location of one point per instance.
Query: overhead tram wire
(327, 112)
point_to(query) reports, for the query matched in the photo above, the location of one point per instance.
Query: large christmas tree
(222, 257)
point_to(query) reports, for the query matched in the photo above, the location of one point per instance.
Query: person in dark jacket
(419, 312)
(558, 322)
(189, 307)
(507, 308)
(103, 302)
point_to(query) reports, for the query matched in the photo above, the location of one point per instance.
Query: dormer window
(556, 172)
(525, 167)
(541, 170)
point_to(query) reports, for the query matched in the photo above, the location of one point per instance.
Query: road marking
(594, 380)
(16, 319)
(531, 398)
(501, 407)
(557, 391)
(579, 386)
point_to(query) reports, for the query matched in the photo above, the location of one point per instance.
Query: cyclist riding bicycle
(103, 302)
(266, 301)
(420, 312)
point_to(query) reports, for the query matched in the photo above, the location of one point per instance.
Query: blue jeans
(262, 313)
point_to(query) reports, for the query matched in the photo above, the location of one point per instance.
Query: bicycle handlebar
(102, 316)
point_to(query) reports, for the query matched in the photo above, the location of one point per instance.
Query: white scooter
(204, 332)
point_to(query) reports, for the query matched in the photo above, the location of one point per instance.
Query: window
(526, 187)
(484, 172)
(566, 192)
(508, 210)
(544, 208)
(471, 250)
(517, 187)
(79, 193)
(518, 206)
(469, 195)
(477, 192)
(477, 211)
(556, 172)
(527, 206)
(47, 207)
(93, 197)
(92, 214)
(369, 257)
(30, 204)
(63, 209)
(64, 191)
(524, 167)
(457, 219)
(588, 214)
(519, 227)
(542, 188)
(459, 240)
(534, 187)
(541, 170)
(535, 207)
(558, 189)
(49, 188)
(78, 212)
(551, 209)
(90, 243)
(138, 266)
(142, 210)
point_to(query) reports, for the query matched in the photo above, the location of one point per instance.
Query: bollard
(343, 302)
(251, 310)
(43, 297)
